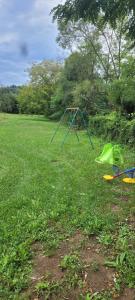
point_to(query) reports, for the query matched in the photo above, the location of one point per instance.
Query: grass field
(64, 232)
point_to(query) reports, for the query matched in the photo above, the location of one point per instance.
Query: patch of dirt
(54, 161)
(124, 198)
(95, 276)
(128, 294)
(76, 238)
(72, 294)
(115, 208)
(98, 279)
(131, 220)
(37, 247)
(49, 266)
(121, 189)
(45, 267)
(123, 194)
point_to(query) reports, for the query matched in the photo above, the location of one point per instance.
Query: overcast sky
(27, 35)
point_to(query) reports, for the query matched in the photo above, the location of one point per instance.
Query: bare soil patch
(128, 294)
(95, 277)
(115, 208)
(44, 265)
(124, 198)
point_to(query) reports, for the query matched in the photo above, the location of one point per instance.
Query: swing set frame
(72, 113)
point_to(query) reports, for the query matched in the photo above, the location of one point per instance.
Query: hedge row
(113, 127)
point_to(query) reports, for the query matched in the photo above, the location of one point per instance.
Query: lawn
(65, 233)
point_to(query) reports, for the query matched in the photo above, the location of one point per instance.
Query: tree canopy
(35, 98)
(90, 10)
(8, 99)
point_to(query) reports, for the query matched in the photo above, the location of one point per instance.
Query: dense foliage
(8, 99)
(98, 75)
(35, 98)
(91, 9)
(114, 127)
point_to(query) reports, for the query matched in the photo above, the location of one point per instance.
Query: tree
(46, 72)
(84, 37)
(82, 65)
(90, 10)
(91, 96)
(63, 95)
(112, 43)
(80, 82)
(35, 98)
(122, 91)
(8, 99)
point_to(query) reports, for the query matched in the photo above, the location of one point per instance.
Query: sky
(27, 35)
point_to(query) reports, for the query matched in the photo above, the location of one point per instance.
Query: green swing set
(72, 115)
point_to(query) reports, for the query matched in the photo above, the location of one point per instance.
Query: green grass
(48, 192)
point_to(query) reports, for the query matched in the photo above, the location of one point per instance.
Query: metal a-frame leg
(85, 125)
(77, 136)
(70, 126)
(58, 126)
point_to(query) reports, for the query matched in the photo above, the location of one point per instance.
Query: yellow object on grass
(129, 180)
(108, 177)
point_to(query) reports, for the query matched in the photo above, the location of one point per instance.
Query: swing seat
(129, 180)
(108, 177)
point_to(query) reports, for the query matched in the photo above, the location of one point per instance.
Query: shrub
(122, 94)
(114, 127)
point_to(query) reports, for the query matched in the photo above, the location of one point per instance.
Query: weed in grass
(132, 211)
(105, 239)
(73, 280)
(124, 261)
(47, 288)
(95, 266)
(74, 270)
(97, 224)
(94, 226)
(42, 286)
(99, 296)
(71, 262)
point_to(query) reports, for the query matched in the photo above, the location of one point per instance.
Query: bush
(56, 116)
(113, 127)
(122, 94)
(8, 99)
(91, 95)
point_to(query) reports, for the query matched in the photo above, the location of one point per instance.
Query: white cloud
(25, 26)
(40, 5)
(8, 37)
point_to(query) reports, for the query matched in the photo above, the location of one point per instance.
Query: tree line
(99, 73)
(8, 99)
